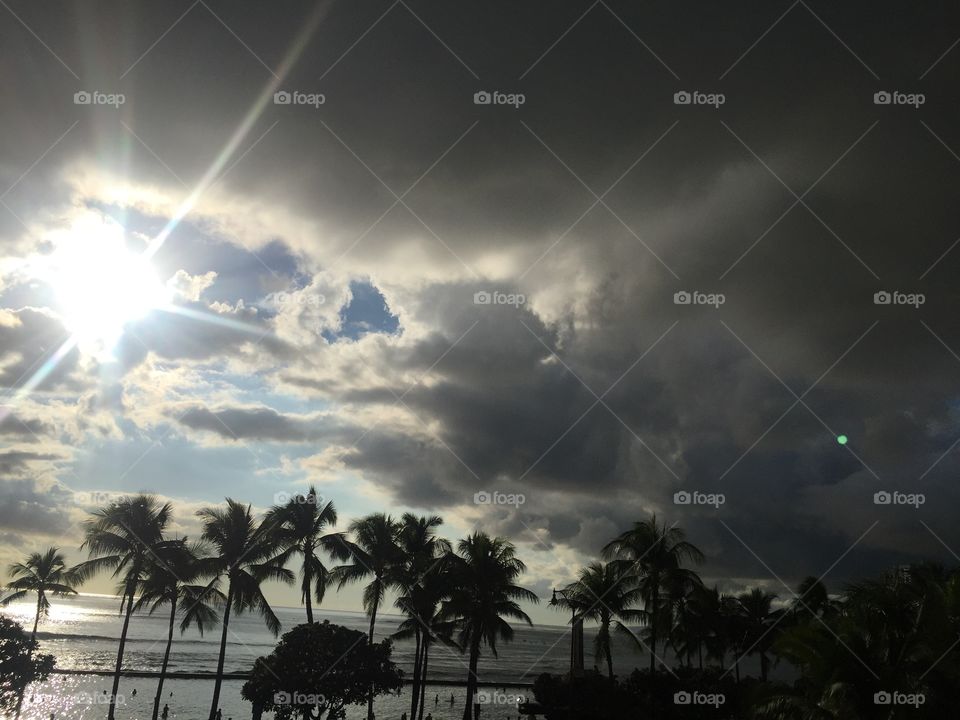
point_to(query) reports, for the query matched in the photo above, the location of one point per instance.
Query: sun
(100, 285)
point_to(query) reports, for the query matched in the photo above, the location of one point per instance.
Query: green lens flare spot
(842, 439)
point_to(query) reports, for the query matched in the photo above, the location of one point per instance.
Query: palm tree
(759, 619)
(167, 582)
(812, 599)
(732, 632)
(41, 573)
(650, 557)
(835, 685)
(435, 627)
(694, 620)
(422, 580)
(684, 633)
(898, 631)
(706, 625)
(482, 593)
(599, 594)
(247, 556)
(126, 537)
(298, 528)
(376, 554)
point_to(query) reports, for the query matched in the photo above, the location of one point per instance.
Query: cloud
(27, 509)
(598, 397)
(191, 287)
(28, 338)
(257, 423)
(23, 429)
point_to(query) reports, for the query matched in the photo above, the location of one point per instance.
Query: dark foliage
(686, 695)
(317, 669)
(20, 663)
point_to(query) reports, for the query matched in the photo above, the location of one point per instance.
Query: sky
(584, 255)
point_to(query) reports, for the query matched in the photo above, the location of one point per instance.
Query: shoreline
(179, 675)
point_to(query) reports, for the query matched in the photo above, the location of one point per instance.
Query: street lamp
(576, 637)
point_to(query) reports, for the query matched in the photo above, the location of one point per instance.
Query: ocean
(82, 633)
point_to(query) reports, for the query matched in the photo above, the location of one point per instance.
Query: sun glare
(101, 286)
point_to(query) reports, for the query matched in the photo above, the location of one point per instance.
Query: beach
(82, 634)
(74, 697)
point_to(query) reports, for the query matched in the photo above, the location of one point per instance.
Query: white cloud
(190, 287)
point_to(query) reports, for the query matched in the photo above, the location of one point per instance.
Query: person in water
(166, 712)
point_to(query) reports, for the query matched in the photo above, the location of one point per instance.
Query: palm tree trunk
(166, 659)
(609, 656)
(415, 694)
(33, 637)
(123, 641)
(223, 653)
(423, 675)
(472, 678)
(373, 622)
(36, 620)
(307, 556)
(653, 641)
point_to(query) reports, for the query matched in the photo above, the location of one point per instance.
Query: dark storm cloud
(411, 468)
(261, 423)
(241, 424)
(23, 428)
(703, 409)
(698, 402)
(11, 539)
(28, 338)
(26, 509)
(15, 462)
